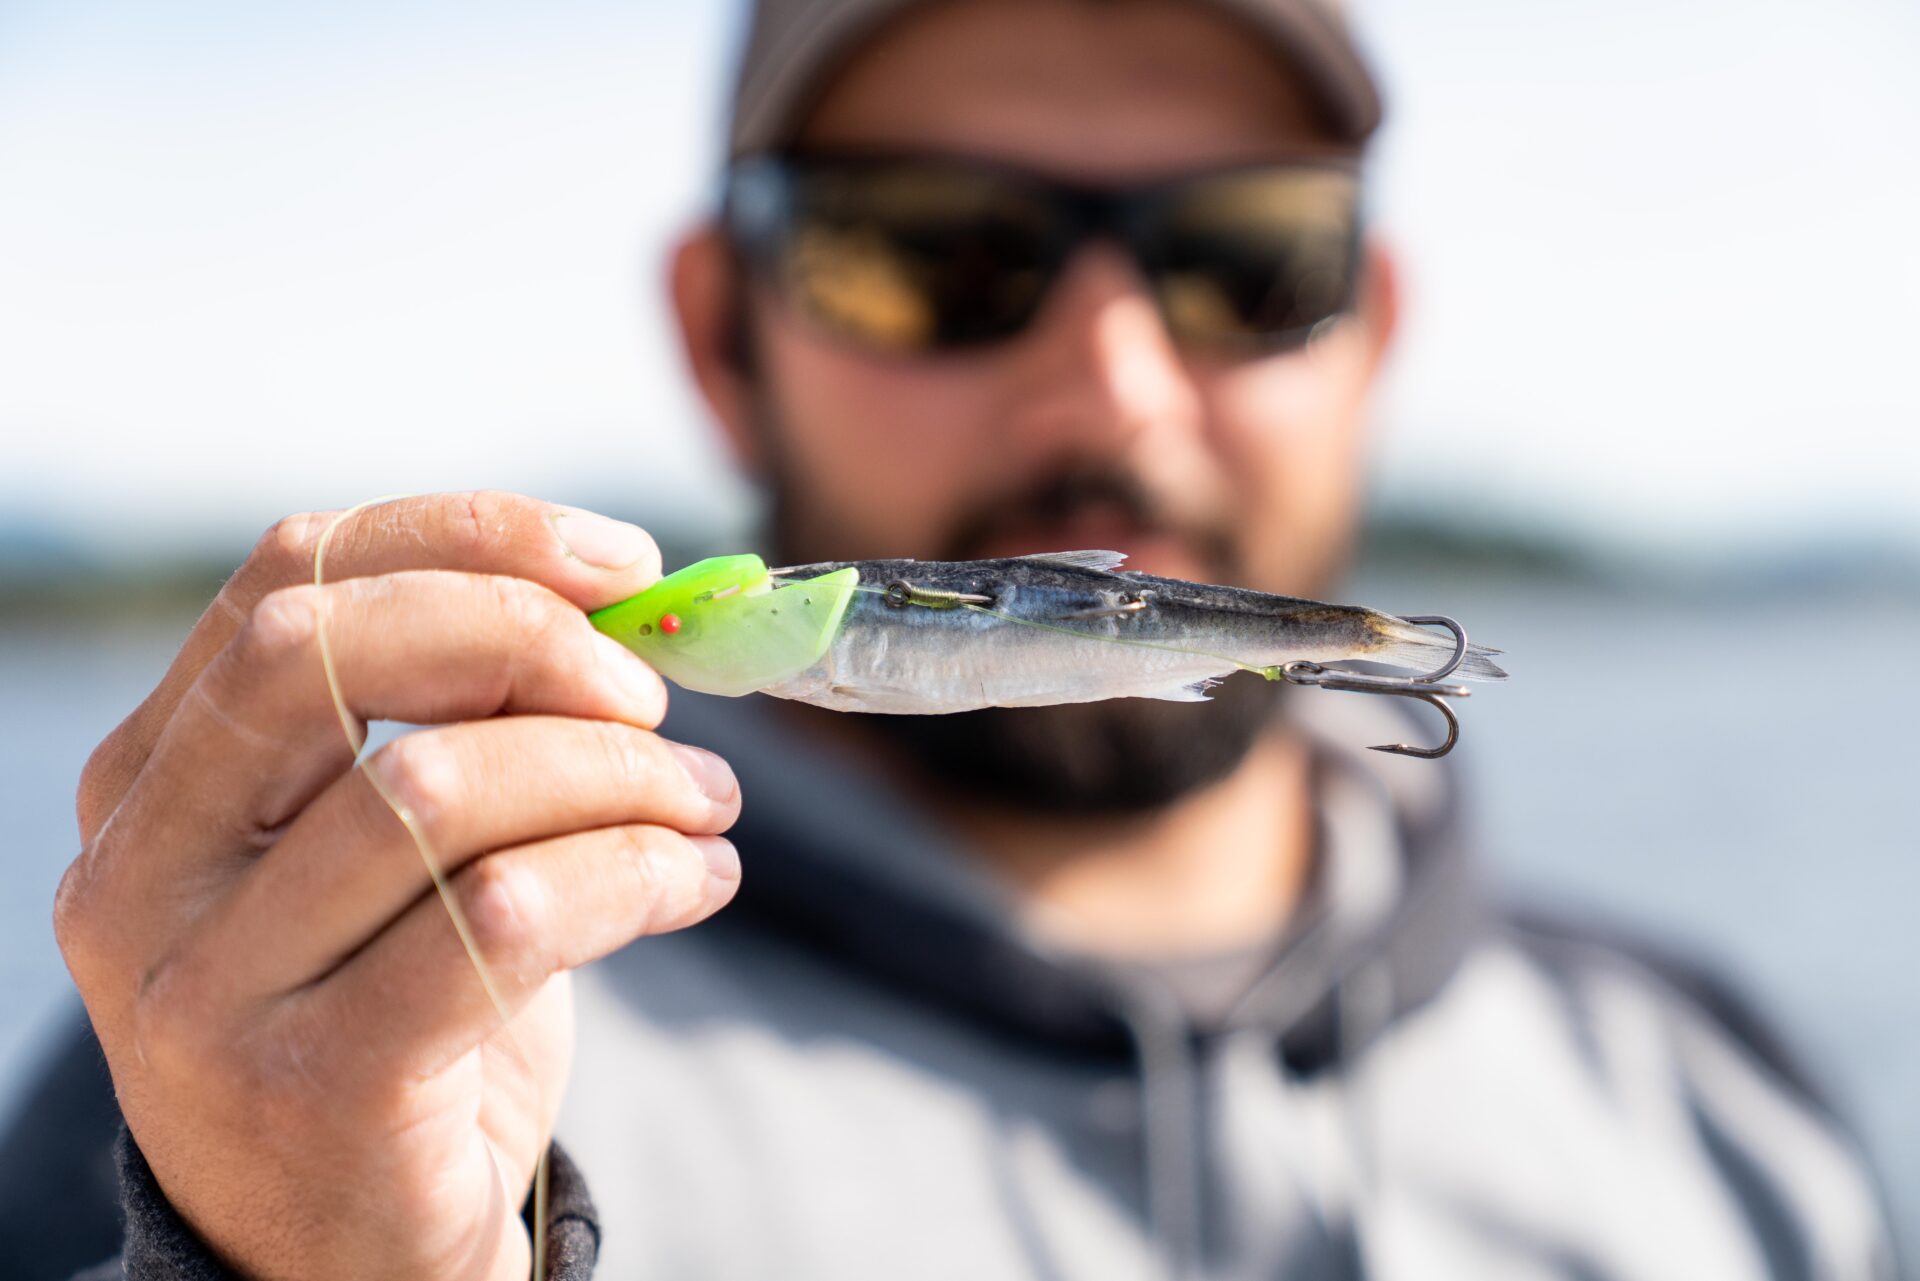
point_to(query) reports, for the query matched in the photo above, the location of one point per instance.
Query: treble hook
(1424, 688)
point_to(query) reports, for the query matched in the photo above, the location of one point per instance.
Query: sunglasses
(917, 255)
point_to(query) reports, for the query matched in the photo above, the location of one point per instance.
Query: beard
(1122, 756)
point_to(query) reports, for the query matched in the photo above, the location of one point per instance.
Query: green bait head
(724, 626)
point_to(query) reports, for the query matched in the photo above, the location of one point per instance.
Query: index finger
(586, 558)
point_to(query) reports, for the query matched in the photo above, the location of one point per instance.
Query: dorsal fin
(1079, 560)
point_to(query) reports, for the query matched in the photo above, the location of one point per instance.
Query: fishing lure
(928, 637)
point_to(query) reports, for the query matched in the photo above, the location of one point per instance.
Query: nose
(1100, 373)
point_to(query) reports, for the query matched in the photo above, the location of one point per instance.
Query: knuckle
(665, 876)
(101, 780)
(538, 616)
(172, 1030)
(100, 762)
(481, 523)
(287, 546)
(426, 773)
(506, 908)
(631, 755)
(73, 913)
(283, 623)
(644, 851)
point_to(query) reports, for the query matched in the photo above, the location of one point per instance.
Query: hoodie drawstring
(1170, 1154)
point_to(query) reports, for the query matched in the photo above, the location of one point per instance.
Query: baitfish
(926, 637)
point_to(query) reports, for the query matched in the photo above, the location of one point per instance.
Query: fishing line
(356, 742)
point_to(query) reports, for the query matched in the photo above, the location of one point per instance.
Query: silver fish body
(923, 637)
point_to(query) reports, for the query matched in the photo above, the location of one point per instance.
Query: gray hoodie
(864, 1068)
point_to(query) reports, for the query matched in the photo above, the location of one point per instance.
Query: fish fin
(1079, 560)
(1409, 645)
(1192, 692)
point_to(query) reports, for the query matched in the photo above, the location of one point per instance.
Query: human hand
(300, 1043)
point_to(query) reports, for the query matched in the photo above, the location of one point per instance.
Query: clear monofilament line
(356, 742)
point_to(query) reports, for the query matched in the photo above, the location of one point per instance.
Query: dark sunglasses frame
(759, 194)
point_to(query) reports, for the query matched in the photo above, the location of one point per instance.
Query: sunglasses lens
(912, 256)
(1253, 259)
(906, 257)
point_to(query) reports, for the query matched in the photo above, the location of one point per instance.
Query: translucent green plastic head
(723, 626)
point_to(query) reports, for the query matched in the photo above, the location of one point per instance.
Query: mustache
(1072, 493)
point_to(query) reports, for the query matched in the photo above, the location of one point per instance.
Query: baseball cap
(794, 47)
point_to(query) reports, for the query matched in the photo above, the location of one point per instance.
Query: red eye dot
(669, 623)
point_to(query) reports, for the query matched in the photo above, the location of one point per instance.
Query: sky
(1663, 283)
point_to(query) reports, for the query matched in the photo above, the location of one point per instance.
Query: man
(1124, 990)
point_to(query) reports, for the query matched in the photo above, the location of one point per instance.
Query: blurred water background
(1652, 428)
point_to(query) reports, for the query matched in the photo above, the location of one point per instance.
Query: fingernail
(632, 677)
(723, 861)
(709, 773)
(600, 542)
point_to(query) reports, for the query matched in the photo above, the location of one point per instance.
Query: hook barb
(1432, 700)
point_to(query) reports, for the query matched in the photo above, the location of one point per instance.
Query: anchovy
(1072, 627)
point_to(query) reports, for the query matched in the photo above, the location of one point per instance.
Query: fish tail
(1411, 645)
